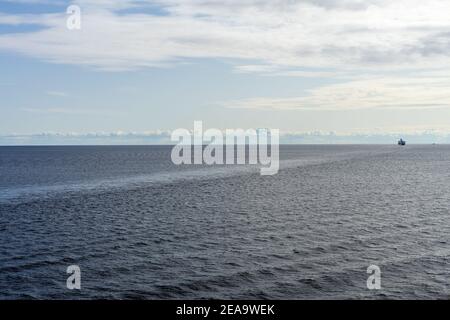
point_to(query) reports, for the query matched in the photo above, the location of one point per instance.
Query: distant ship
(401, 142)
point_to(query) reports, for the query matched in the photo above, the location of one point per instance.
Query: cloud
(387, 93)
(361, 44)
(327, 33)
(255, 68)
(69, 111)
(94, 138)
(56, 93)
(413, 135)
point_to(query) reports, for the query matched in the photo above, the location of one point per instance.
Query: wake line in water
(31, 193)
(34, 192)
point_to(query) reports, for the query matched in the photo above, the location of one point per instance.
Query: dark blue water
(140, 227)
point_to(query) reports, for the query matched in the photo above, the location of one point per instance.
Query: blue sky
(350, 66)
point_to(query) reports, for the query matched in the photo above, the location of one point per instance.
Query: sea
(140, 227)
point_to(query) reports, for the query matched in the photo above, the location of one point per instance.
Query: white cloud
(348, 39)
(337, 34)
(70, 111)
(252, 68)
(56, 93)
(388, 93)
(411, 134)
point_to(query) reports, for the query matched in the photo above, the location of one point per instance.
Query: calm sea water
(140, 227)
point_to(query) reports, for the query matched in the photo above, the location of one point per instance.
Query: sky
(137, 69)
